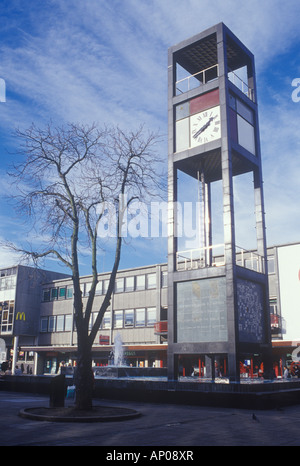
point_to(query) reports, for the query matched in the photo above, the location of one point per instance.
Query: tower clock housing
(218, 293)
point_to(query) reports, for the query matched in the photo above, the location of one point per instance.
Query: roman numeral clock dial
(205, 126)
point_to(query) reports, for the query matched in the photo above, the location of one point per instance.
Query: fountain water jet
(118, 351)
(117, 368)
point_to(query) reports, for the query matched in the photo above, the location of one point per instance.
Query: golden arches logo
(20, 316)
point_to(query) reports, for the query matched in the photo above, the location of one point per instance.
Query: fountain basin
(127, 371)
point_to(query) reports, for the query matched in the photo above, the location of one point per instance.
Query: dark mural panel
(250, 311)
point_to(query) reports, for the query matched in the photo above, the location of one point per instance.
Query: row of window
(61, 323)
(51, 294)
(141, 317)
(122, 284)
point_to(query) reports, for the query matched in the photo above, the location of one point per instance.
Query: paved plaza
(158, 426)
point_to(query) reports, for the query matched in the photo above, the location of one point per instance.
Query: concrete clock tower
(218, 317)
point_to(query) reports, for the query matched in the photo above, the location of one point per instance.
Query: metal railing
(214, 256)
(250, 260)
(200, 258)
(241, 85)
(195, 80)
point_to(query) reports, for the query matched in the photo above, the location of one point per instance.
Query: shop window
(30, 356)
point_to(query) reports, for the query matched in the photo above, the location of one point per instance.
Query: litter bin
(57, 391)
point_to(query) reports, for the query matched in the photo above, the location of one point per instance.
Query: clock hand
(203, 127)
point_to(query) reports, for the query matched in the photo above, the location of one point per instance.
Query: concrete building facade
(284, 285)
(138, 303)
(20, 301)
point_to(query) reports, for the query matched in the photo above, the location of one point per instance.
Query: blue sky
(106, 61)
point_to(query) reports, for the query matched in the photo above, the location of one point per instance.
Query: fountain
(118, 351)
(118, 367)
(113, 370)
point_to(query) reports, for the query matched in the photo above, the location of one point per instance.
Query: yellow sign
(20, 316)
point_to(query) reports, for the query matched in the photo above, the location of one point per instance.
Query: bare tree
(65, 181)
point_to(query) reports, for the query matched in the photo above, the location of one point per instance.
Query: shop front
(133, 356)
(203, 366)
(50, 359)
(285, 354)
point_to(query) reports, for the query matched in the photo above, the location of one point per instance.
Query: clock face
(205, 126)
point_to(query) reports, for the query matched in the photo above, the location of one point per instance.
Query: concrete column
(15, 354)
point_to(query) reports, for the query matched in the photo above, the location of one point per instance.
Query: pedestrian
(286, 373)
(297, 372)
(18, 371)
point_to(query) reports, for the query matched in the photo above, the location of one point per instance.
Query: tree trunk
(84, 379)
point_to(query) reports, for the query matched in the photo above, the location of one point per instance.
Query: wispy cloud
(107, 62)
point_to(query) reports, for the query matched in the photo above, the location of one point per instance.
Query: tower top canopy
(201, 51)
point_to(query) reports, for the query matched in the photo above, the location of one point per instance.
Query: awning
(285, 343)
(102, 348)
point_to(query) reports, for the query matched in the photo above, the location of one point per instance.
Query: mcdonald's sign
(20, 316)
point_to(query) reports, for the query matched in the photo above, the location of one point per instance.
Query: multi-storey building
(138, 303)
(36, 312)
(20, 291)
(284, 286)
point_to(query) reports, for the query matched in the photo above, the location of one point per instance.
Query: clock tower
(218, 316)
